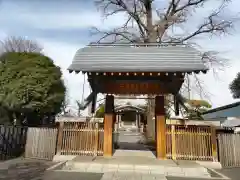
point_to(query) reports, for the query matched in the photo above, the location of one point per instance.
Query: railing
(12, 141)
(190, 142)
(76, 138)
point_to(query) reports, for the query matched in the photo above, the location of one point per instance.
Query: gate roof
(137, 58)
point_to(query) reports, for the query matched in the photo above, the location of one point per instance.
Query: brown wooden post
(60, 138)
(97, 138)
(108, 126)
(173, 135)
(160, 127)
(214, 144)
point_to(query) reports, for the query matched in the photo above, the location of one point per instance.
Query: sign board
(133, 87)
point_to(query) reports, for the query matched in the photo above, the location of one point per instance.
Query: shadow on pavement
(51, 175)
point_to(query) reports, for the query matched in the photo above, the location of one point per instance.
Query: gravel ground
(30, 169)
(71, 176)
(233, 173)
(183, 178)
(23, 169)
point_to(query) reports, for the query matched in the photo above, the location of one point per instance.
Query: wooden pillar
(108, 126)
(160, 127)
(214, 144)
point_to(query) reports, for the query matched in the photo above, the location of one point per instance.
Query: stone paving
(130, 164)
(26, 169)
(147, 170)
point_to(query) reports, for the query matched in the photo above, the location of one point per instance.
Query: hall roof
(137, 58)
(230, 110)
(128, 107)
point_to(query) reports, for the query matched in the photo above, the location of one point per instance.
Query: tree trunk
(150, 120)
(151, 38)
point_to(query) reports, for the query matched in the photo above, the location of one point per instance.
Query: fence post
(214, 144)
(60, 138)
(173, 135)
(97, 138)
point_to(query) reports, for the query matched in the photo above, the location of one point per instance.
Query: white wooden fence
(41, 143)
(229, 149)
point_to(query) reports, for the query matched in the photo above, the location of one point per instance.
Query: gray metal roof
(128, 58)
(230, 110)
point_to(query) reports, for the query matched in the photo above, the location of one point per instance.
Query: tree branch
(116, 35)
(132, 8)
(189, 4)
(213, 24)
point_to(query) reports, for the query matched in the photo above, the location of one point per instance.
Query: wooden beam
(160, 127)
(108, 126)
(168, 84)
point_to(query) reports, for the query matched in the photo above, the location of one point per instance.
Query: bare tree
(79, 108)
(148, 23)
(19, 44)
(66, 104)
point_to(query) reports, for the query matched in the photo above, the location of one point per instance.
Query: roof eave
(204, 71)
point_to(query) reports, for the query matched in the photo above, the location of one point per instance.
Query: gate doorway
(130, 117)
(129, 134)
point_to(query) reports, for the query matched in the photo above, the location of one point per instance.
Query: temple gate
(137, 69)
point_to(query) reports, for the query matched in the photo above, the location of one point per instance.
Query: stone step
(141, 169)
(132, 176)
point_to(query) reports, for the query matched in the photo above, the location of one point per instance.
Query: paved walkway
(129, 140)
(128, 154)
(25, 169)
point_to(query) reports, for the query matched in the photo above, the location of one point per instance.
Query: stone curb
(57, 166)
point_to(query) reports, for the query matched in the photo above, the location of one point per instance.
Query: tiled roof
(127, 58)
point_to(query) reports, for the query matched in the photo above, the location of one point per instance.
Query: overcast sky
(63, 26)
